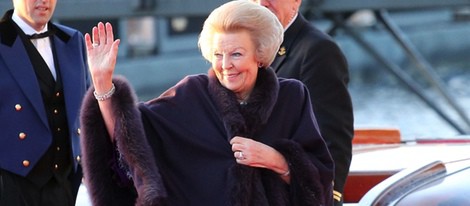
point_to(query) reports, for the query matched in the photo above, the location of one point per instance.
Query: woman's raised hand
(102, 50)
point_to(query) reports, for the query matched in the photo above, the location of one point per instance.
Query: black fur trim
(97, 155)
(306, 187)
(131, 143)
(247, 120)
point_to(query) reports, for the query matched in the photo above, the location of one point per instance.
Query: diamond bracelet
(106, 95)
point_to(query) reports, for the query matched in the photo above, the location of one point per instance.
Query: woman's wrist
(106, 95)
(279, 164)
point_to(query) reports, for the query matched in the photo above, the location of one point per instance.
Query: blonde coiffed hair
(263, 26)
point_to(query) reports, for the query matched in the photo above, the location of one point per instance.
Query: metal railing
(92, 9)
(86, 9)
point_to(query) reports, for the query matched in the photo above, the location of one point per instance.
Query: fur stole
(247, 121)
(256, 186)
(251, 186)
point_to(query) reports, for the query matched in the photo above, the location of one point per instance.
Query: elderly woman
(236, 136)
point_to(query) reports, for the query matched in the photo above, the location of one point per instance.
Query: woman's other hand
(256, 154)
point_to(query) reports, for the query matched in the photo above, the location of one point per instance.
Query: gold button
(26, 163)
(78, 158)
(57, 94)
(56, 166)
(18, 107)
(56, 111)
(78, 131)
(22, 136)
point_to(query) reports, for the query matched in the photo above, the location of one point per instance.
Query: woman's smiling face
(234, 62)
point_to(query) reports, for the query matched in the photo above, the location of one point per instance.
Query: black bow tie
(41, 35)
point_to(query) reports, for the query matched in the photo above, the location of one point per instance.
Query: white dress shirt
(43, 45)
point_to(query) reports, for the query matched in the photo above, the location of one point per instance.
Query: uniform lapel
(23, 72)
(289, 36)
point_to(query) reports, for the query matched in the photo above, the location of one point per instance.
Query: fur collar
(249, 187)
(246, 120)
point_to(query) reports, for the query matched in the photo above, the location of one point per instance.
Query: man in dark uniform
(314, 58)
(42, 81)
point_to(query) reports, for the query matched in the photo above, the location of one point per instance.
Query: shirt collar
(27, 29)
(291, 21)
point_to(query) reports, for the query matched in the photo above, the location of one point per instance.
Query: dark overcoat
(311, 56)
(176, 147)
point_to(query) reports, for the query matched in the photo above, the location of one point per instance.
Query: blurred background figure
(309, 55)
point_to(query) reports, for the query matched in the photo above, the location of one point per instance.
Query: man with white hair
(311, 56)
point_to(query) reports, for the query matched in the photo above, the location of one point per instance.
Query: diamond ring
(240, 155)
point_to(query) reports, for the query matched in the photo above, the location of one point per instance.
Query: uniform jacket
(309, 55)
(176, 147)
(25, 133)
